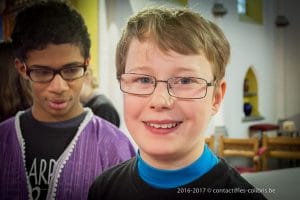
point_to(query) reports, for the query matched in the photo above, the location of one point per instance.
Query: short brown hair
(181, 30)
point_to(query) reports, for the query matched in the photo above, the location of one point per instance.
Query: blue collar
(166, 179)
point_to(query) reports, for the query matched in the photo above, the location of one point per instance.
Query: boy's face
(58, 99)
(169, 130)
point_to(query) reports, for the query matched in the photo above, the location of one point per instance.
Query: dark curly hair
(52, 22)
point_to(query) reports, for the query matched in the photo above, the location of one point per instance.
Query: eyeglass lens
(180, 87)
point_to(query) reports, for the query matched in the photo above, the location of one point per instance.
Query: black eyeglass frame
(208, 84)
(56, 71)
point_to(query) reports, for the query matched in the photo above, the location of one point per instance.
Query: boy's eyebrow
(185, 69)
(178, 68)
(73, 63)
(140, 68)
(63, 66)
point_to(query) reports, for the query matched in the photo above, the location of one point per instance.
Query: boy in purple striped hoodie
(55, 149)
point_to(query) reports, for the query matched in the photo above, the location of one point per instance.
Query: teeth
(171, 125)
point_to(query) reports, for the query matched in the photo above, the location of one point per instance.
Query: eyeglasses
(179, 87)
(42, 74)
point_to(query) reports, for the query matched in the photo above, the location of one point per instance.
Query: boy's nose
(58, 84)
(160, 98)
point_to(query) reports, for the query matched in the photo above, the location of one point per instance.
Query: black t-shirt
(44, 143)
(124, 182)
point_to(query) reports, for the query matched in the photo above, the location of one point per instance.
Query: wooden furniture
(241, 147)
(210, 141)
(282, 147)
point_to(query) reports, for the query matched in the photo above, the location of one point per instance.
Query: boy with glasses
(56, 149)
(171, 65)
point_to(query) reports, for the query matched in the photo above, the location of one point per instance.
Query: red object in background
(260, 129)
(263, 127)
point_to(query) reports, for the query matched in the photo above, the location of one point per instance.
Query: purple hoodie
(96, 146)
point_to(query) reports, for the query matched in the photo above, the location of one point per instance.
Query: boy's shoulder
(107, 135)
(8, 135)
(7, 126)
(104, 128)
(118, 172)
(223, 180)
(114, 181)
(121, 170)
(224, 176)
(7, 122)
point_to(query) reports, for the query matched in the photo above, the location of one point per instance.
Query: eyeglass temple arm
(211, 84)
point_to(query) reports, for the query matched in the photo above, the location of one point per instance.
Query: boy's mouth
(58, 104)
(162, 125)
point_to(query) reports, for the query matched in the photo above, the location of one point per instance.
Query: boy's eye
(71, 70)
(184, 80)
(41, 72)
(144, 80)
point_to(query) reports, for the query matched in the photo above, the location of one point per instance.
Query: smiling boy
(55, 149)
(171, 66)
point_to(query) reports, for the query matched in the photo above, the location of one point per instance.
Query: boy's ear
(88, 60)
(218, 96)
(21, 68)
(87, 73)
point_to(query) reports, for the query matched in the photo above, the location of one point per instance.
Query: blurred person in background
(99, 103)
(15, 93)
